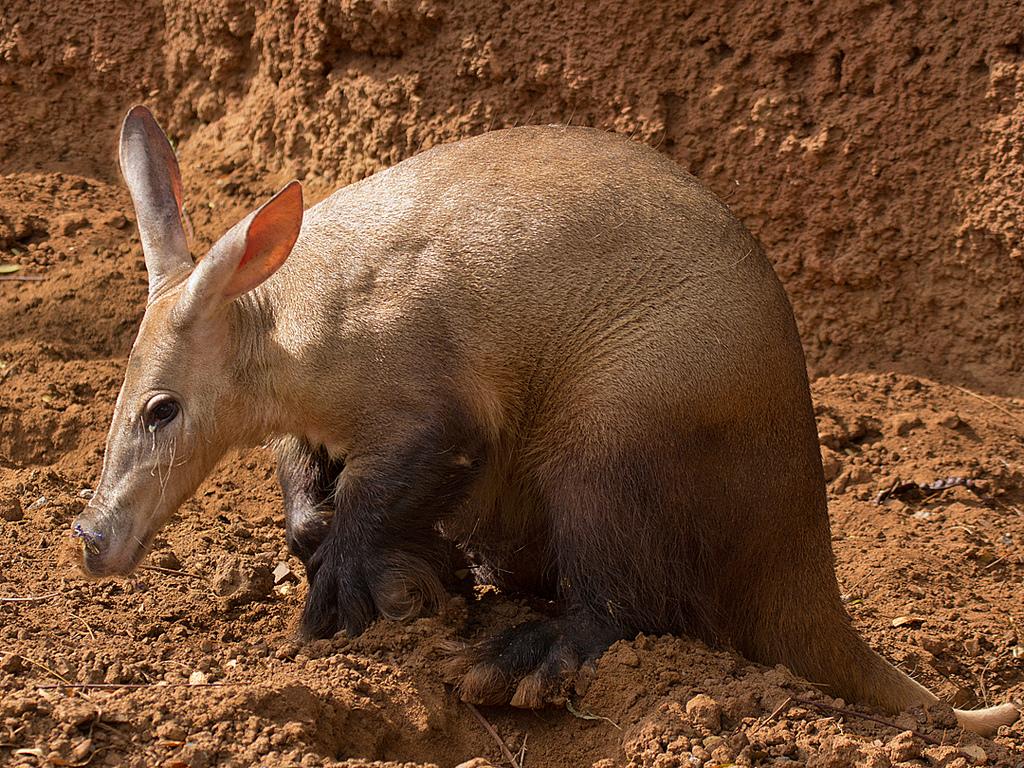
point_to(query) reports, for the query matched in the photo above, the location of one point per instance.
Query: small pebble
(904, 747)
(976, 753)
(170, 732)
(10, 509)
(949, 420)
(705, 711)
(81, 751)
(281, 572)
(166, 559)
(12, 664)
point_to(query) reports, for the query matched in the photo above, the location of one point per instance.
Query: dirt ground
(877, 149)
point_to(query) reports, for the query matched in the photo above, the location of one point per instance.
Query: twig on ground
(981, 678)
(1016, 417)
(90, 758)
(862, 716)
(170, 571)
(115, 686)
(39, 664)
(923, 492)
(29, 599)
(23, 278)
(494, 735)
(92, 635)
(777, 711)
(584, 715)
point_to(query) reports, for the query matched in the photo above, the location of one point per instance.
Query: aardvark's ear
(249, 253)
(151, 172)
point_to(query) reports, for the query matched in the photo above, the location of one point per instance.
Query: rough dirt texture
(878, 151)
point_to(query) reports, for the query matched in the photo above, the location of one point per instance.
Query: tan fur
(530, 692)
(616, 340)
(484, 684)
(407, 589)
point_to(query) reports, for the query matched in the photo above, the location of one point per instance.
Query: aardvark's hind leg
(537, 663)
(531, 665)
(618, 570)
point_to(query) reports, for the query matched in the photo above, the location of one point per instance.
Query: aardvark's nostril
(91, 539)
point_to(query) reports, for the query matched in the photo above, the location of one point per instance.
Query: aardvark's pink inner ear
(269, 239)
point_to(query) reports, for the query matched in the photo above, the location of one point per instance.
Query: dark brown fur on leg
(383, 554)
(307, 476)
(531, 665)
(613, 579)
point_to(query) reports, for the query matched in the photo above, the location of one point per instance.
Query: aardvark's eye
(160, 411)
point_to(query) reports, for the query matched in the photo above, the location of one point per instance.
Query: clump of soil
(876, 151)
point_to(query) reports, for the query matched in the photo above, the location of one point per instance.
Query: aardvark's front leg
(382, 553)
(308, 477)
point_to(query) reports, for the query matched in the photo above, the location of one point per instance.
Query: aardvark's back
(546, 249)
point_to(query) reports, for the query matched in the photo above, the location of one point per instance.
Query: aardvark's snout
(103, 551)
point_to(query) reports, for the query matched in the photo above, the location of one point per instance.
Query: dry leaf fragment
(907, 621)
(977, 754)
(282, 572)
